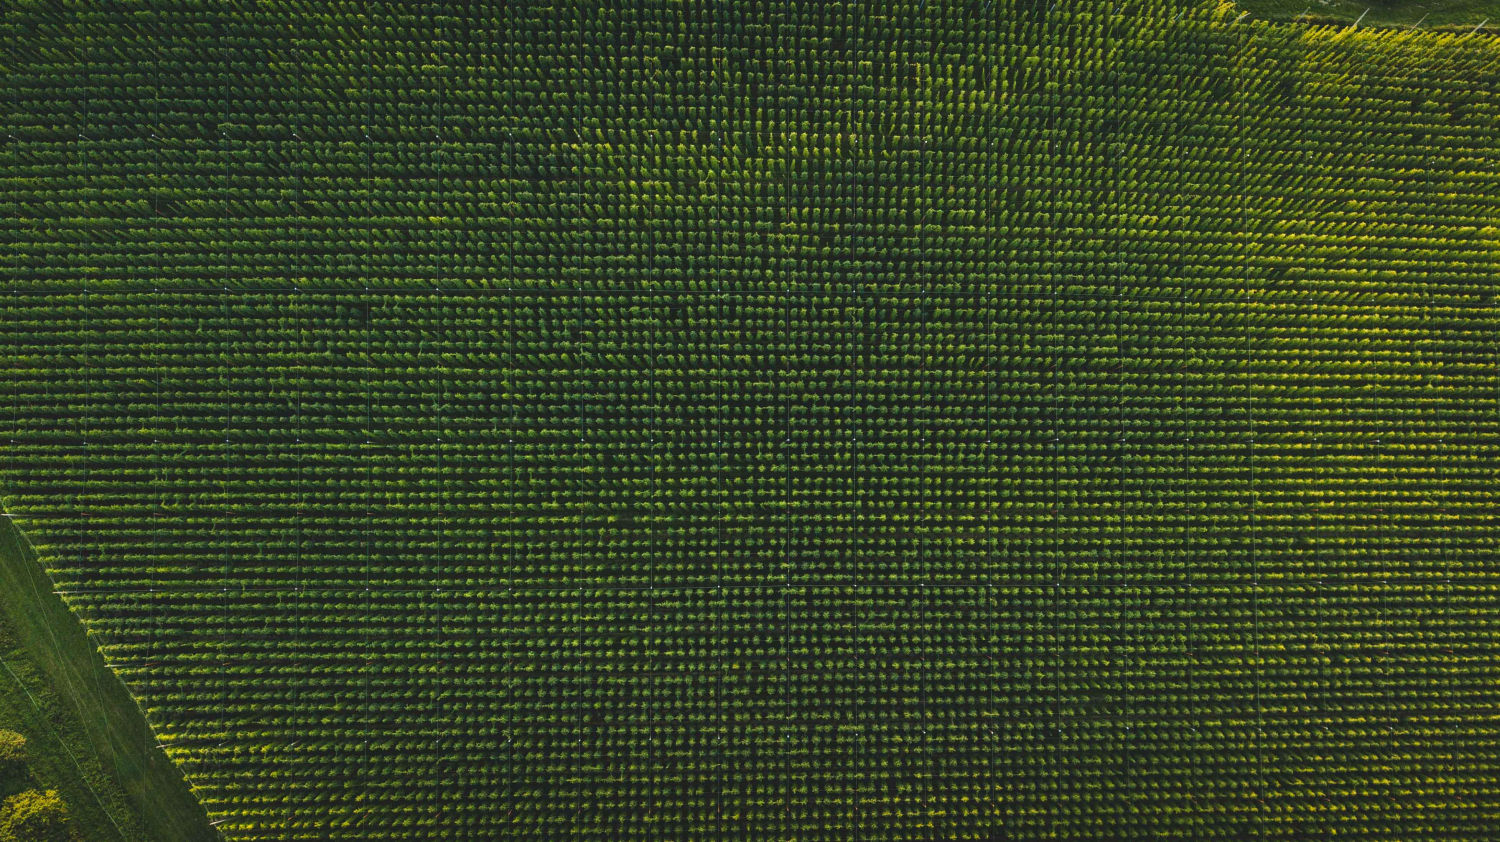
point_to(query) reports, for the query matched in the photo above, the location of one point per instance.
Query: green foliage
(13, 771)
(892, 421)
(35, 816)
(12, 748)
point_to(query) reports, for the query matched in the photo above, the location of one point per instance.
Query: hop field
(658, 421)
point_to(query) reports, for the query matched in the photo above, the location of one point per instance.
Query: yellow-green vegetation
(36, 816)
(28, 813)
(1463, 15)
(12, 754)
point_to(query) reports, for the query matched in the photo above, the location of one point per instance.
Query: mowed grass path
(88, 691)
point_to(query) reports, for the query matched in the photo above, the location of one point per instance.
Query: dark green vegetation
(1456, 15)
(86, 739)
(656, 421)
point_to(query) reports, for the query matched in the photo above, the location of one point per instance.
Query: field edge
(116, 726)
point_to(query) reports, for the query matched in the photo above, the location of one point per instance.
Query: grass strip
(1440, 15)
(56, 642)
